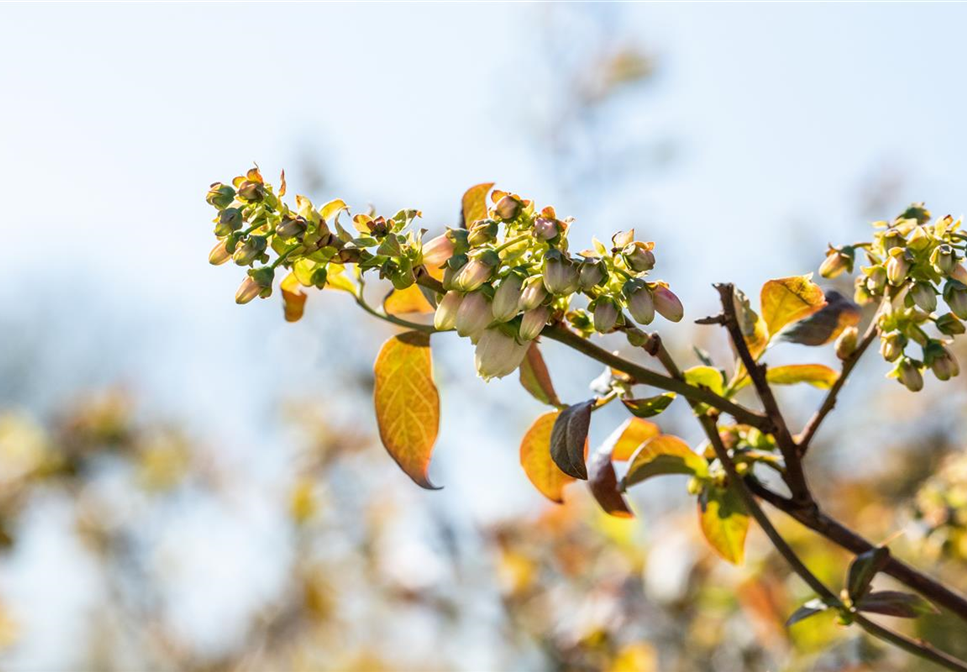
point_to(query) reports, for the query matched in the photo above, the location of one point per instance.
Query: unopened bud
(258, 283)
(846, 343)
(250, 250)
(605, 315)
(667, 304)
(944, 258)
(876, 282)
(924, 296)
(909, 375)
(290, 228)
(959, 273)
(639, 256)
(533, 293)
(892, 345)
(251, 191)
(445, 317)
(482, 233)
(944, 365)
(498, 355)
(532, 323)
(955, 294)
(507, 298)
(836, 262)
(590, 273)
(473, 315)
(546, 228)
(560, 274)
(862, 295)
(507, 207)
(641, 303)
(220, 195)
(949, 325)
(437, 251)
(636, 337)
(897, 267)
(919, 239)
(477, 271)
(228, 221)
(219, 254)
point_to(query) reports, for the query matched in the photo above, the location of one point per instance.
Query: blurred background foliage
(183, 488)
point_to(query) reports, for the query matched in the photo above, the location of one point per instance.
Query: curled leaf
(648, 407)
(407, 403)
(535, 458)
(664, 454)
(475, 203)
(787, 300)
(535, 378)
(724, 521)
(293, 298)
(569, 439)
(864, 567)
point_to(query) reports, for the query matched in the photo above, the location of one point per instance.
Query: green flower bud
(482, 232)
(445, 317)
(478, 270)
(228, 221)
(919, 239)
(258, 283)
(291, 228)
(507, 298)
(546, 228)
(893, 239)
(533, 293)
(219, 254)
(636, 337)
(944, 258)
(605, 313)
(251, 191)
(220, 195)
(507, 207)
(846, 343)
(250, 250)
(532, 323)
(498, 355)
(949, 325)
(560, 274)
(909, 374)
(473, 315)
(897, 267)
(437, 251)
(667, 304)
(876, 282)
(319, 277)
(862, 295)
(955, 294)
(837, 261)
(892, 345)
(641, 303)
(943, 364)
(590, 273)
(639, 256)
(924, 296)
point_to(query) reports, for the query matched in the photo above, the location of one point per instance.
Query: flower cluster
(506, 275)
(912, 262)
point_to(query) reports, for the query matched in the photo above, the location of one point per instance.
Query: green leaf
(475, 203)
(895, 603)
(864, 567)
(724, 521)
(535, 378)
(705, 376)
(811, 608)
(664, 454)
(649, 406)
(817, 375)
(787, 300)
(569, 439)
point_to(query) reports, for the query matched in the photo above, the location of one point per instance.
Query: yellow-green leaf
(817, 375)
(535, 458)
(786, 300)
(629, 436)
(330, 209)
(407, 403)
(649, 407)
(293, 298)
(475, 203)
(705, 376)
(337, 279)
(724, 522)
(664, 454)
(404, 301)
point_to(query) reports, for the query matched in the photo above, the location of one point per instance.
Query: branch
(795, 477)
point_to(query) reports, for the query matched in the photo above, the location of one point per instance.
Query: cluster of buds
(506, 276)
(510, 274)
(912, 260)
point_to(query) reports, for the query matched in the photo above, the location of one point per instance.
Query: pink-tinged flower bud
(560, 274)
(258, 283)
(668, 305)
(437, 251)
(892, 345)
(836, 262)
(250, 250)
(944, 365)
(846, 343)
(220, 195)
(959, 273)
(590, 273)
(497, 354)
(897, 267)
(507, 207)
(924, 296)
(445, 317)
(477, 271)
(546, 228)
(251, 191)
(605, 315)
(955, 294)
(532, 323)
(507, 298)
(219, 254)
(473, 315)
(944, 258)
(533, 293)
(876, 282)
(909, 374)
(639, 256)
(641, 303)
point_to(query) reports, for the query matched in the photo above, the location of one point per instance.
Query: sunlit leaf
(282, 185)
(705, 376)
(629, 436)
(664, 454)
(293, 298)
(407, 403)
(751, 324)
(817, 375)
(569, 439)
(409, 300)
(535, 458)
(724, 521)
(648, 407)
(475, 203)
(330, 209)
(811, 608)
(535, 378)
(786, 300)
(895, 603)
(826, 324)
(337, 279)
(864, 567)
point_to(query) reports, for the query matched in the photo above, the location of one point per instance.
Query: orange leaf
(786, 300)
(475, 203)
(535, 458)
(629, 436)
(409, 300)
(407, 403)
(293, 298)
